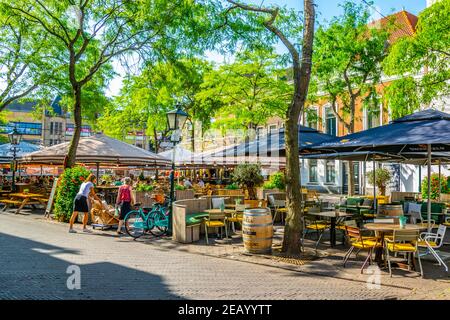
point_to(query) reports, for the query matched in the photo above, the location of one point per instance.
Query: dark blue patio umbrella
(273, 144)
(420, 136)
(412, 133)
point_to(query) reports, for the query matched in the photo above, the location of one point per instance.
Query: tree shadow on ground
(33, 270)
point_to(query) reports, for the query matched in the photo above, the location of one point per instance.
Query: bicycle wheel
(161, 222)
(135, 224)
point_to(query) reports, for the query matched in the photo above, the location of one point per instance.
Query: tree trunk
(293, 228)
(351, 178)
(302, 74)
(71, 155)
(193, 137)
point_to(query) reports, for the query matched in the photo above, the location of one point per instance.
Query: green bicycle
(154, 221)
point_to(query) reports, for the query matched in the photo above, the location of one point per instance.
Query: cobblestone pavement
(35, 255)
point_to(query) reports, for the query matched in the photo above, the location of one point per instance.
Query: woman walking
(80, 203)
(125, 200)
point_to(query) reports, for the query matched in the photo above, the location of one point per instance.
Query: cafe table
(333, 215)
(226, 212)
(383, 228)
(22, 199)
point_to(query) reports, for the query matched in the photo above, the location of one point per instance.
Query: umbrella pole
(420, 178)
(429, 189)
(374, 188)
(440, 186)
(364, 177)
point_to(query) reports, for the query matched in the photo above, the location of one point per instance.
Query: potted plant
(248, 177)
(382, 178)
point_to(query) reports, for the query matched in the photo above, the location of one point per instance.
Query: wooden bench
(187, 218)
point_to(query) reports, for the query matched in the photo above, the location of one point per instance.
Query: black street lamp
(14, 139)
(175, 122)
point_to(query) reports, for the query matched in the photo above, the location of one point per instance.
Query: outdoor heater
(14, 139)
(175, 122)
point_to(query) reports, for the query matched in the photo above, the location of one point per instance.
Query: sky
(326, 10)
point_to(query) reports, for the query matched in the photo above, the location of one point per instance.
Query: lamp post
(175, 122)
(14, 139)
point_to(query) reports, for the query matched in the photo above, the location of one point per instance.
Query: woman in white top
(80, 203)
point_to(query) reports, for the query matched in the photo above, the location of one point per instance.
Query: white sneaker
(87, 230)
(72, 231)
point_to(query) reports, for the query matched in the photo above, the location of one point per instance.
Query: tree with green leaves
(251, 89)
(422, 62)
(265, 26)
(21, 52)
(347, 67)
(146, 98)
(87, 35)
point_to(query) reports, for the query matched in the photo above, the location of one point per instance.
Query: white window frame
(366, 117)
(271, 127)
(310, 161)
(324, 119)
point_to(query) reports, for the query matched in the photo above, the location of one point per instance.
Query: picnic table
(333, 215)
(22, 199)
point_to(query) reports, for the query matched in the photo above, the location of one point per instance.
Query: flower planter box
(184, 194)
(144, 197)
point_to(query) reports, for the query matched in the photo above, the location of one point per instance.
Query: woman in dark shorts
(125, 199)
(80, 203)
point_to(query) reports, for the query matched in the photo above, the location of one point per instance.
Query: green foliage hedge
(144, 187)
(434, 186)
(68, 185)
(276, 181)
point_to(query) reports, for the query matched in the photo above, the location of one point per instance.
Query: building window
(26, 128)
(313, 171)
(272, 128)
(330, 122)
(373, 119)
(51, 127)
(330, 171)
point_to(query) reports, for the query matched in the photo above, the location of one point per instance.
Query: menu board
(48, 210)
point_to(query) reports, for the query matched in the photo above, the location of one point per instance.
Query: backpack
(125, 194)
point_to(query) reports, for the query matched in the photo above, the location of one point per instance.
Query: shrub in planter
(144, 187)
(232, 186)
(434, 186)
(248, 176)
(382, 176)
(180, 187)
(276, 181)
(68, 185)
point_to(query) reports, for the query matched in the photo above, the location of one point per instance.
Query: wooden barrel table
(257, 230)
